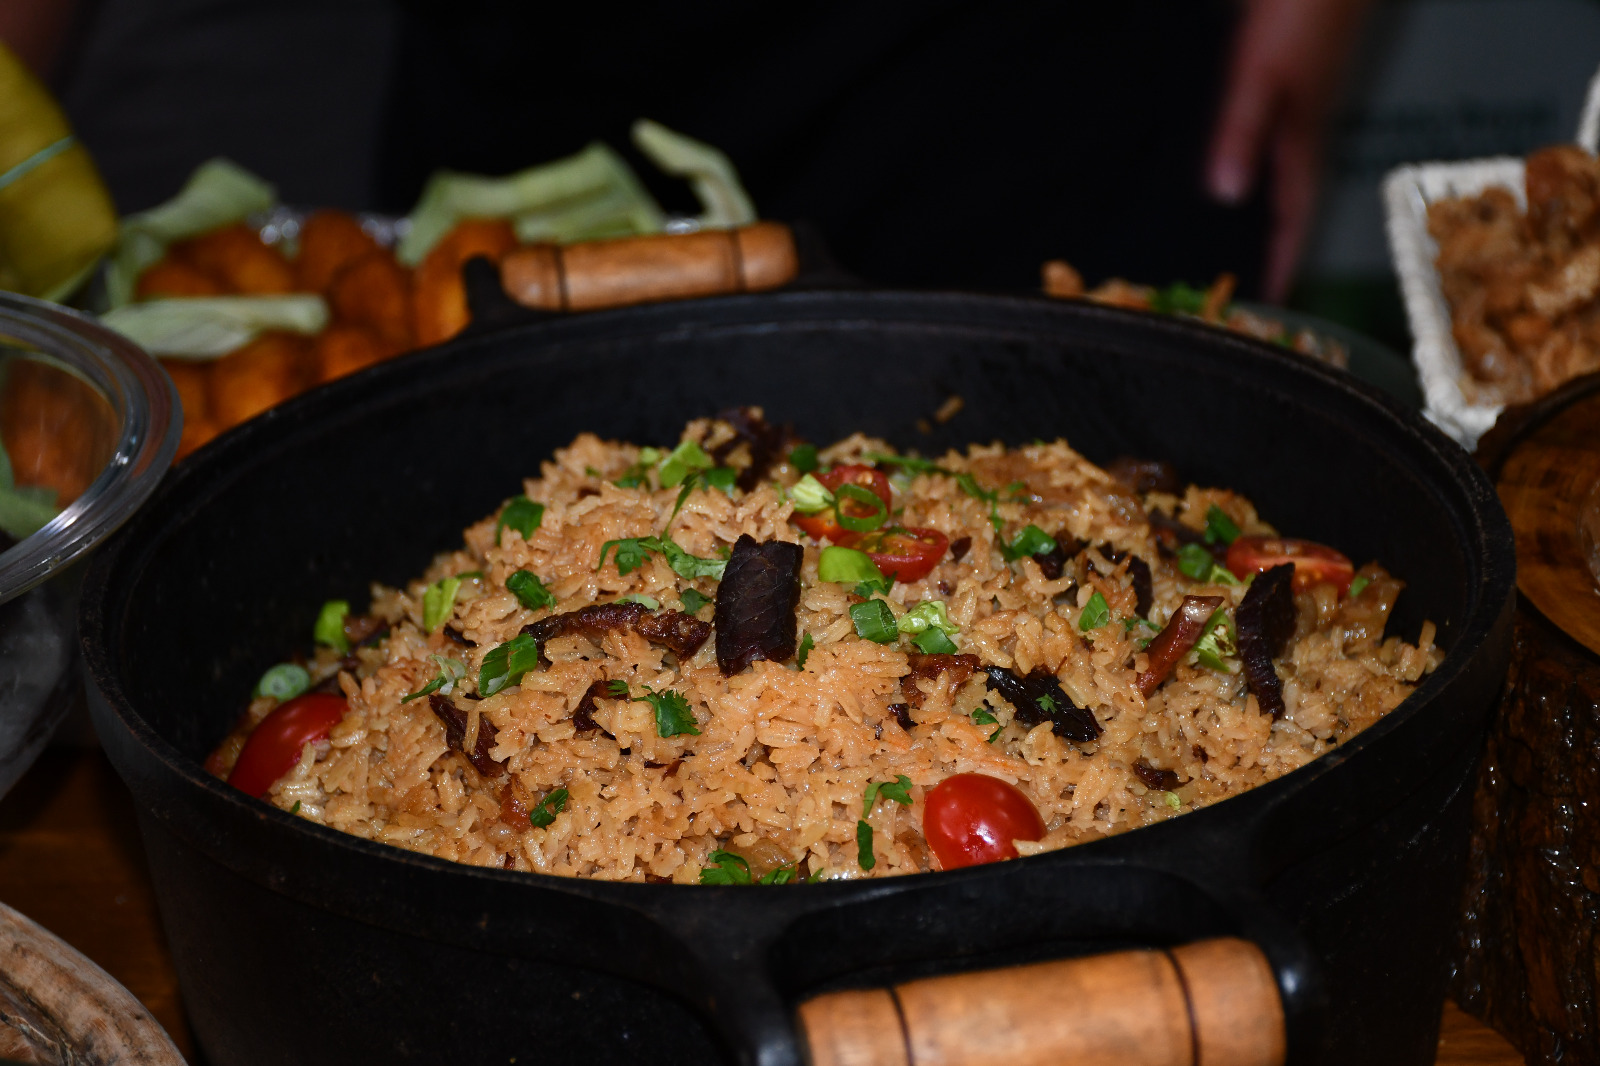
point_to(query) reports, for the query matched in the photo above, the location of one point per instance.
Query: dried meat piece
(1172, 534)
(1183, 630)
(763, 441)
(756, 603)
(1266, 621)
(1054, 561)
(959, 668)
(681, 634)
(959, 548)
(455, 734)
(1160, 780)
(902, 715)
(1145, 475)
(1040, 698)
(1143, 586)
(583, 715)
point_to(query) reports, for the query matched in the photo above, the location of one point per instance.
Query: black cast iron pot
(297, 944)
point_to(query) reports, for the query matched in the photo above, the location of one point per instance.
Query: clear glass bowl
(90, 424)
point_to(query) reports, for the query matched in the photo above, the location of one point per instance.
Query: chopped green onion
(929, 614)
(529, 590)
(522, 515)
(673, 715)
(805, 651)
(687, 458)
(641, 599)
(720, 478)
(1217, 642)
(692, 600)
(874, 621)
(439, 602)
(844, 565)
(725, 868)
(864, 855)
(1031, 541)
(781, 876)
(912, 463)
(934, 642)
(874, 586)
(1174, 800)
(1178, 298)
(1199, 564)
(296, 808)
(506, 663)
(1219, 527)
(898, 790)
(450, 672)
(554, 802)
(631, 554)
(329, 628)
(860, 523)
(283, 682)
(1361, 582)
(1096, 613)
(810, 495)
(804, 458)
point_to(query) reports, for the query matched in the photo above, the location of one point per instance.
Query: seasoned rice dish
(744, 659)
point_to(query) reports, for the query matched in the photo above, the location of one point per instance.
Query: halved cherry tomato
(904, 554)
(1313, 563)
(824, 525)
(970, 819)
(275, 746)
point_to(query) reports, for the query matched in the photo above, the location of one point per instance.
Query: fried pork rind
(265, 372)
(329, 242)
(1524, 288)
(440, 298)
(375, 291)
(236, 256)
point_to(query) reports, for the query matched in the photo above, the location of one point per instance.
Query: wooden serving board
(70, 859)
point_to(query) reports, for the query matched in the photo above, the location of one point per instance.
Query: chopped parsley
(874, 621)
(1219, 527)
(898, 790)
(638, 474)
(804, 458)
(692, 600)
(874, 586)
(554, 802)
(451, 671)
(329, 627)
(633, 551)
(1031, 541)
(810, 495)
(982, 716)
(864, 855)
(725, 868)
(1047, 703)
(805, 651)
(439, 602)
(1219, 641)
(970, 486)
(673, 716)
(283, 682)
(1361, 582)
(506, 663)
(720, 478)
(1199, 564)
(687, 458)
(529, 590)
(996, 734)
(1096, 613)
(843, 565)
(522, 515)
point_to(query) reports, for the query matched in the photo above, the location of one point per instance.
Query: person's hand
(1288, 61)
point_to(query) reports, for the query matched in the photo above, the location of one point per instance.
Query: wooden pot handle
(1212, 1003)
(632, 270)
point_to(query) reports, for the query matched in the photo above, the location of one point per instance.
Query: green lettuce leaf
(207, 327)
(710, 173)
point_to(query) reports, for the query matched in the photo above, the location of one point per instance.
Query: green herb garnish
(781, 876)
(296, 808)
(1096, 613)
(692, 600)
(1047, 703)
(725, 868)
(633, 551)
(673, 716)
(860, 523)
(1177, 299)
(810, 495)
(1217, 642)
(804, 652)
(522, 515)
(898, 790)
(844, 565)
(506, 663)
(934, 642)
(638, 474)
(649, 602)
(982, 716)
(529, 590)
(804, 458)
(1031, 541)
(283, 682)
(439, 602)
(864, 855)
(1361, 582)
(444, 683)
(1219, 527)
(1174, 800)
(329, 627)
(874, 621)
(1199, 564)
(554, 802)
(912, 464)
(687, 458)
(720, 478)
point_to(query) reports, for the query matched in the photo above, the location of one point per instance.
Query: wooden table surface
(70, 859)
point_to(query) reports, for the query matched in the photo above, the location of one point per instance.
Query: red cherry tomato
(973, 818)
(824, 525)
(275, 746)
(1313, 563)
(905, 554)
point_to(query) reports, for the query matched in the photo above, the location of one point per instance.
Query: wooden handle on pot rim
(1212, 1003)
(632, 270)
